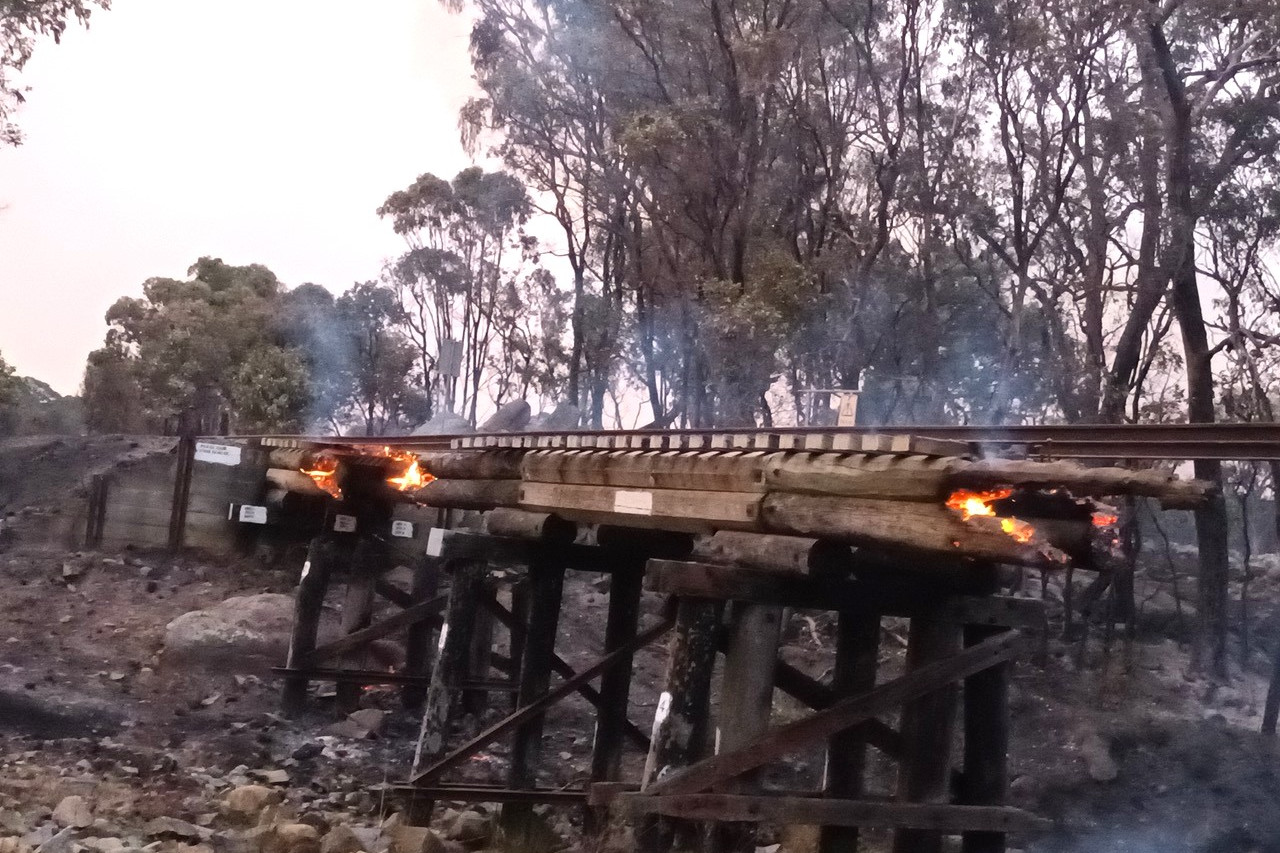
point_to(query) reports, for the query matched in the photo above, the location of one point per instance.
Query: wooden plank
(876, 444)
(670, 509)
(912, 526)
(876, 476)
(813, 810)
(801, 734)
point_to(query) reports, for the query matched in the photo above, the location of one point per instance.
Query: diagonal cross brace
(817, 728)
(422, 611)
(540, 704)
(564, 670)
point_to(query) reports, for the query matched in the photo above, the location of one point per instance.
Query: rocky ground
(138, 712)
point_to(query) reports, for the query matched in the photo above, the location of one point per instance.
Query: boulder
(247, 633)
(445, 423)
(471, 828)
(371, 720)
(171, 827)
(62, 842)
(415, 839)
(243, 804)
(510, 417)
(13, 845)
(563, 416)
(291, 838)
(73, 811)
(341, 839)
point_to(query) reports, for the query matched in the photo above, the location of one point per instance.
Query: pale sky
(258, 131)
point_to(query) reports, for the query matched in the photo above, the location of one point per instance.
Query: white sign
(402, 529)
(435, 542)
(848, 409)
(633, 503)
(218, 454)
(253, 514)
(344, 524)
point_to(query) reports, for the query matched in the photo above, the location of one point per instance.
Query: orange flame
(1105, 519)
(970, 504)
(325, 475)
(413, 477)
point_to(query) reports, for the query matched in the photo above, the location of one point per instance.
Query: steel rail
(1226, 442)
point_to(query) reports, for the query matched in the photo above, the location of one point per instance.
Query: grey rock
(341, 839)
(563, 416)
(62, 842)
(172, 827)
(445, 423)
(73, 811)
(510, 417)
(247, 633)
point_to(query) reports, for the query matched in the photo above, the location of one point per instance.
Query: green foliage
(22, 24)
(269, 388)
(185, 341)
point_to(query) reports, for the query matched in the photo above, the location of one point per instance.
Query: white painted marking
(633, 503)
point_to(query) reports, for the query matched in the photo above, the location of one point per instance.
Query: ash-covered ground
(128, 724)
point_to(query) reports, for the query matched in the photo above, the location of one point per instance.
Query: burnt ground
(1123, 747)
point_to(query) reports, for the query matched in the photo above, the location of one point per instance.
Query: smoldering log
(501, 464)
(292, 480)
(931, 528)
(469, 494)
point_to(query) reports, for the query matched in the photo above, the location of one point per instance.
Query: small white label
(633, 503)
(253, 514)
(402, 529)
(306, 570)
(344, 524)
(435, 542)
(218, 454)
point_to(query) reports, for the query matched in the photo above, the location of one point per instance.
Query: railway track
(1226, 442)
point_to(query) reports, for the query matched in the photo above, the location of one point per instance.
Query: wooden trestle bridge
(732, 529)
